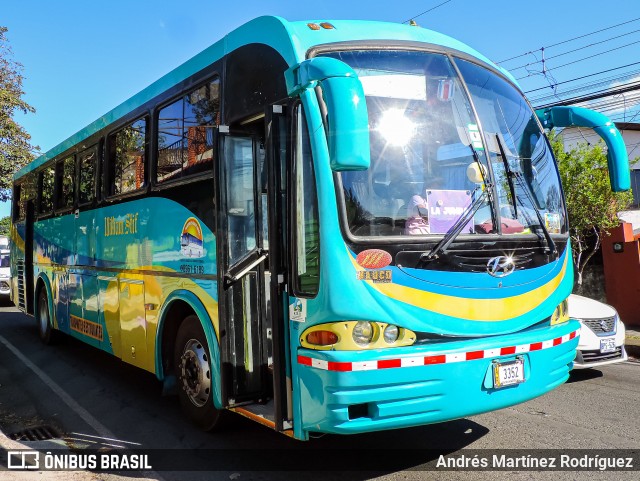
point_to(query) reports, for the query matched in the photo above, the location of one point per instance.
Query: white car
(5, 274)
(601, 333)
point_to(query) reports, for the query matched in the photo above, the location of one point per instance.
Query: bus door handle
(233, 278)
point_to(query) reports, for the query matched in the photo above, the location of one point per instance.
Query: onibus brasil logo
(191, 244)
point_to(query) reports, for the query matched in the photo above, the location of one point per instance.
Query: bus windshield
(426, 139)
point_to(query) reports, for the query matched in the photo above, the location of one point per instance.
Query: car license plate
(508, 373)
(608, 344)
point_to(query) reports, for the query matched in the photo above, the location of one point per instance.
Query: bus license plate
(608, 344)
(508, 373)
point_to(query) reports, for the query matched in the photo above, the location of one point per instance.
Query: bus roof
(291, 39)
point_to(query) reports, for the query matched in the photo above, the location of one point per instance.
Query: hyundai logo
(500, 266)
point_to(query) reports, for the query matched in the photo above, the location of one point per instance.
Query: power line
(574, 50)
(633, 76)
(596, 96)
(571, 39)
(426, 11)
(584, 76)
(586, 58)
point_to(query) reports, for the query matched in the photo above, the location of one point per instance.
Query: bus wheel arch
(179, 307)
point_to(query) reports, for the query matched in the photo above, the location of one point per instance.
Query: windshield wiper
(464, 218)
(456, 228)
(525, 188)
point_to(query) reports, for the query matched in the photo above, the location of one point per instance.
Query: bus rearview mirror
(617, 157)
(347, 119)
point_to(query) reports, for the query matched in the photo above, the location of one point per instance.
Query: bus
(324, 226)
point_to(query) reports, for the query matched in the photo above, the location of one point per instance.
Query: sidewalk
(632, 342)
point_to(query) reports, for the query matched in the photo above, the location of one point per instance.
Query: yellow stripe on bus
(487, 310)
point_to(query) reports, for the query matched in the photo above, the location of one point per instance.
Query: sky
(83, 58)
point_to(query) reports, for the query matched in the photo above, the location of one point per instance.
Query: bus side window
(65, 183)
(47, 181)
(306, 279)
(87, 175)
(185, 133)
(126, 159)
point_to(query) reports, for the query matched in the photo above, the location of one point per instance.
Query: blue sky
(83, 58)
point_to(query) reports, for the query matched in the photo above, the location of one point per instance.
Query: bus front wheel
(46, 333)
(193, 372)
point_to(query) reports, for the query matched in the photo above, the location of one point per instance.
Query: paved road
(595, 409)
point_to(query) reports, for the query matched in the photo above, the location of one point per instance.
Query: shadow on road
(128, 402)
(578, 375)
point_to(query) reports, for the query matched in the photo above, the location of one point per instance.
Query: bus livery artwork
(191, 239)
(369, 232)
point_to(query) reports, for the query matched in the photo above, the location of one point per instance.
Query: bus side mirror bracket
(617, 157)
(347, 119)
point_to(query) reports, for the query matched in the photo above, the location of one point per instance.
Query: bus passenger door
(243, 256)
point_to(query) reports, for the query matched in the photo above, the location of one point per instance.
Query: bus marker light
(313, 26)
(327, 26)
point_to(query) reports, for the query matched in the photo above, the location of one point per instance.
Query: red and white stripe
(412, 361)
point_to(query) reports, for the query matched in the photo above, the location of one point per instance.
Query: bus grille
(21, 292)
(597, 356)
(601, 326)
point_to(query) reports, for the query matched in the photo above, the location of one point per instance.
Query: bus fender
(47, 285)
(207, 326)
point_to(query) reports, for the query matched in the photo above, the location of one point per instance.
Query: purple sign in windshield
(445, 208)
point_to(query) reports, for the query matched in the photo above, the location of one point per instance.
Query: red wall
(622, 273)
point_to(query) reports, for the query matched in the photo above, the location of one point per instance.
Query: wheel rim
(44, 314)
(195, 372)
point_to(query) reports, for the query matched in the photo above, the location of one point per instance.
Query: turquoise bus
(325, 226)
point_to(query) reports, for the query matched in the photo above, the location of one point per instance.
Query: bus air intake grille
(477, 262)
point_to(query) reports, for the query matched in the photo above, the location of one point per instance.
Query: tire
(192, 362)
(46, 332)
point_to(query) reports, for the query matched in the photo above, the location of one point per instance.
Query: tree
(15, 146)
(5, 224)
(591, 205)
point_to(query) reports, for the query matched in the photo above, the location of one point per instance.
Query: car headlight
(561, 314)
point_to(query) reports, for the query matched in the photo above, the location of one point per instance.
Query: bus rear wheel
(45, 331)
(193, 372)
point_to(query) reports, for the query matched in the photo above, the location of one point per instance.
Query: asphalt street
(90, 399)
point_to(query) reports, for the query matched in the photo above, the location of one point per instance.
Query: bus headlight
(355, 336)
(561, 314)
(363, 333)
(391, 333)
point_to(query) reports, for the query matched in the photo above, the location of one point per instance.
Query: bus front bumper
(350, 392)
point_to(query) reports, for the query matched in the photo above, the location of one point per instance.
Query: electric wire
(571, 39)
(427, 11)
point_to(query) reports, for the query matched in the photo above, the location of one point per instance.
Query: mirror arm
(617, 157)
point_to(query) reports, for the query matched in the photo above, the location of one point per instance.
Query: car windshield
(4, 260)
(429, 161)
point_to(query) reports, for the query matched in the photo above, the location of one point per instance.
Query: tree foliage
(591, 205)
(5, 225)
(15, 146)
